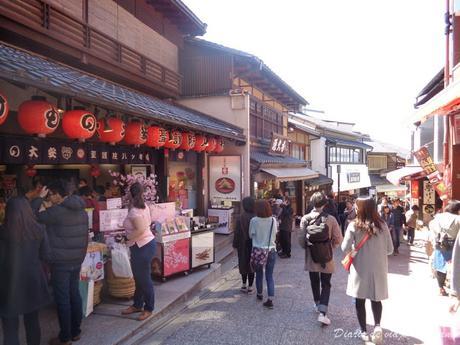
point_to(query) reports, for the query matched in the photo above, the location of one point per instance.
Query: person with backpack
(320, 234)
(445, 227)
(369, 237)
(262, 231)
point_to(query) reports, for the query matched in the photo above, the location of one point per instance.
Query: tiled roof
(264, 158)
(351, 143)
(381, 147)
(377, 180)
(319, 181)
(21, 66)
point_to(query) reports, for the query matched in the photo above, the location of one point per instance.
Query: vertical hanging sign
(426, 162)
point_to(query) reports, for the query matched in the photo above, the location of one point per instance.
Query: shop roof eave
(122, 108)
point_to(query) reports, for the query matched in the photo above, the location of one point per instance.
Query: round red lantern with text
(30, 171)
(219, 145)
(212, 143)
(201, 143)
(38, 116)
(4, 109)
(95, 171)
(114, 133)
(136, 133)
(188, 141)
(157, 136)
(79, 124)
(175, 140)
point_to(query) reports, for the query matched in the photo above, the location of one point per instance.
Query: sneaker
(324, 319)
(250, 290)
(244, 288)
(365, 337)
(377, 336)
(260, 297)
(315, 308)
(268, 304)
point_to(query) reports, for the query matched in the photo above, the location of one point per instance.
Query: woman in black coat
(243, 244)
(286, 220)
(23, 286)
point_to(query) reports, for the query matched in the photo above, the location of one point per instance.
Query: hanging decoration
(212, 143)
(111, 130)
(38, 116)
(201, 143)
(175, 140)
(220, 145)
(156, 136)
(136, 133)
(188, 141)
(79, 124)
(95, 171)
(30, 171)
(3, 109)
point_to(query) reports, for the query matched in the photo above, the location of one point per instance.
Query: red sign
(414, 190)
(176, 256)
(435, 177)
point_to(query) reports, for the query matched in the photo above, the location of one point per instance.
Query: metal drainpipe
(447, 32)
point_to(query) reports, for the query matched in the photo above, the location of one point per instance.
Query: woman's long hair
(137, 195)
(20, 222)
(367, 217)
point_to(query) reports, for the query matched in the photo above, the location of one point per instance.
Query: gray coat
(368, 273)
(336, 239)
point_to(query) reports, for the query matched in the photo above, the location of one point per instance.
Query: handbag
(348, 259)
(259, 256)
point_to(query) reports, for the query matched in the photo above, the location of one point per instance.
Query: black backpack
(318, 240)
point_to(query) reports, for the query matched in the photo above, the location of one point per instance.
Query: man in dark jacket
(286, 220)
(398, 221)
(67, 227)
(331, 207)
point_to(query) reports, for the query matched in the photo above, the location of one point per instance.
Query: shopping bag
(121, 266)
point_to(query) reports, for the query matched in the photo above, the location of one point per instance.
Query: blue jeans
(396, 237)
(141, 265)
(268, 276)
(65, 280)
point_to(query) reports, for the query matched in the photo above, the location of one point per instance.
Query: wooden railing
(46, 19)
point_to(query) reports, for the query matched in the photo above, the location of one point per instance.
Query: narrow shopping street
(414, 314)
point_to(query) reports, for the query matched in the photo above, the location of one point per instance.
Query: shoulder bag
(348, 259)
(259, 256)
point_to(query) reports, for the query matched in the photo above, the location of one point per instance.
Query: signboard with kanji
(428, 165)
(279, 145)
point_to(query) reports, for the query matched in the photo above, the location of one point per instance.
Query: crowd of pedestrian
(43, 242)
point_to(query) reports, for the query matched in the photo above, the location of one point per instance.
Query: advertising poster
(112, 220)
(202, 249)
(225, 178)
(176, 257)
(429, 194)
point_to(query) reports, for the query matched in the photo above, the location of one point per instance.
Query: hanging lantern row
(39, 117)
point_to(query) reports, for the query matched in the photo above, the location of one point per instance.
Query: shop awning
(291, 174)
(351, 143)
(396, 175)
(387, 188)
(264, 158)
(352, 177)
(321, 180)
(26, 68)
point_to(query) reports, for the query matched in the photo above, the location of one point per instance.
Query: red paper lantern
(30, 171)
(156, 136)
(201, 143)
(116, 134)
(175, 140)
(220, 145)
(188, 141)
(79, 124)
(136, 133)
(38, 116)
(212, 143)
(3, 109)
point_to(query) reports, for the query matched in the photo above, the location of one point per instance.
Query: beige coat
(336, 238)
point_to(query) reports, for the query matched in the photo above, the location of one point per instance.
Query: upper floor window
(264, 120)
(377, 162)
(298, 151)
(345, 155)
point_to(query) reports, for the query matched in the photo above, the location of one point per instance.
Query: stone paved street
(414, 314)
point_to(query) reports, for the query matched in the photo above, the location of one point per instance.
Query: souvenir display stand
(202, 248)
(224, 216)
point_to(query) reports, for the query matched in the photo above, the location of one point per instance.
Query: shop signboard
(429, 195)
(414, 190)
(225, 178)
(113, 203)
(426, 162)
(279, 145)
(15, 150)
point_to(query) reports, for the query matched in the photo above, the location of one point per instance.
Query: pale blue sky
(359, 60)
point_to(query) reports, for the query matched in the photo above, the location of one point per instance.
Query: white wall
(220, 107)
(318, 155)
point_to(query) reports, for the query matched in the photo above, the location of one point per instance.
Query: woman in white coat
(368, 274)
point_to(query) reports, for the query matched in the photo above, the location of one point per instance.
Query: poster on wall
(225, 178)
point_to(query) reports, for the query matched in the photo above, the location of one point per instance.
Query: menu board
(225, 178)
(112, 220)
